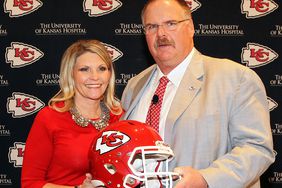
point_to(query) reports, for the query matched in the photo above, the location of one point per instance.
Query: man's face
(168, 47)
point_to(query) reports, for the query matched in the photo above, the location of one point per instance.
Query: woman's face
(91, 77)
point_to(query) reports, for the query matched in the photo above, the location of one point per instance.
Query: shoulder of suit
(223, 64)
(222, 68)
(145, 72)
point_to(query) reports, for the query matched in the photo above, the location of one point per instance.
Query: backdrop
(35, 33)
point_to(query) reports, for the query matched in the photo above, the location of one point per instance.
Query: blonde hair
(66, 92)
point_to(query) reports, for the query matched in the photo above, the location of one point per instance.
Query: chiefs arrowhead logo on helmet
(256, 55)
(127, 154)
(257, 8)
(97, 8)
(17, 8)
(21, 104)
(111, 140)
(20, 54)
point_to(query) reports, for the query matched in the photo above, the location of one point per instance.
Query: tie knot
(164, 80)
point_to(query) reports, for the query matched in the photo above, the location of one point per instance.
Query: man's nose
(161, 30)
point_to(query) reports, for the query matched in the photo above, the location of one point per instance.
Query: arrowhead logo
(17, 8)
(111, 140)
(20, 54)
(193, 4)
(21, 105)
(272, 104)
(16, 153)
(113, 51)
(256, 55)
(97, 8)
(257, 8)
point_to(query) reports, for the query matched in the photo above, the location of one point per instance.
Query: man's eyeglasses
(168, 26)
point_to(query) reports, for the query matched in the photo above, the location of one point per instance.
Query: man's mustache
(164, 42)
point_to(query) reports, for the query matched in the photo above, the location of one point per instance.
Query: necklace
(99, 124)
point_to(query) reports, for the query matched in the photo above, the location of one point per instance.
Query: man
(214, 112)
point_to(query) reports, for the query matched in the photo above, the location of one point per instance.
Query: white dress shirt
(175, 77)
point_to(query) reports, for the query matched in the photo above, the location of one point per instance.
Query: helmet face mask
(130, 154)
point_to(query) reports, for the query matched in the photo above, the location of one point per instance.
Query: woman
(56, 152)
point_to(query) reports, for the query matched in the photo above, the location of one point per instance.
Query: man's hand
(87, 182)
(191, 178)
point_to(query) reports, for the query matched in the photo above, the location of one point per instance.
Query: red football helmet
(130, 154)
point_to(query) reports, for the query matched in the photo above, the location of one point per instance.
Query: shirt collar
(175, 76)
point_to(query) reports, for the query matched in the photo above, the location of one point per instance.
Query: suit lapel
(138, 91)
(188, 89)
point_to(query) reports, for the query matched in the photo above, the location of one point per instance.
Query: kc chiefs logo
(193, 4)
(97, 8)
(256, 55)
(111, 140)
(17, 8)
(20, 54)
(113, 51)
(21, 104)
(16, 154)
(257, 8)
(272, 104)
